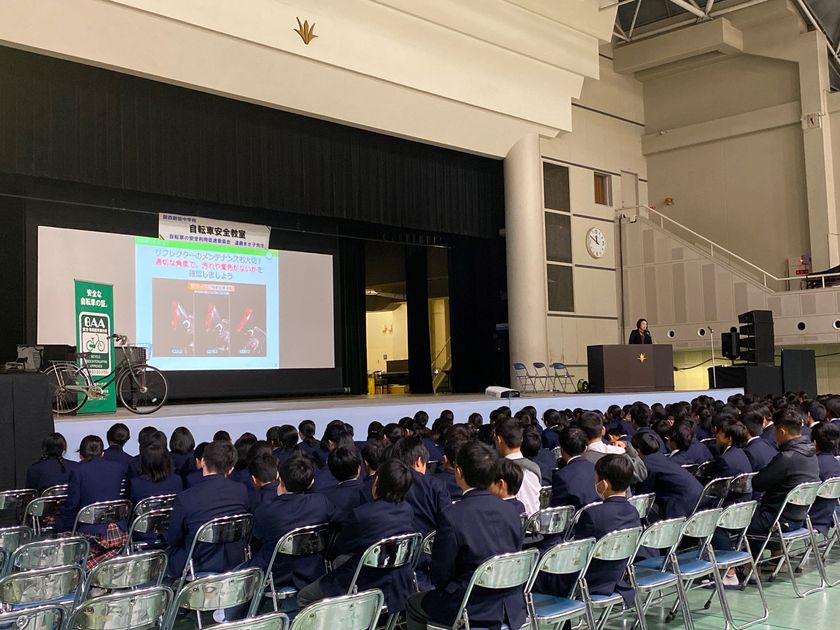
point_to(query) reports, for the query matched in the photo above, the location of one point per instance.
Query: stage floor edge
(257, 416)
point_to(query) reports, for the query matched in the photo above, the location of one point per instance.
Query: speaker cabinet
(799, 371)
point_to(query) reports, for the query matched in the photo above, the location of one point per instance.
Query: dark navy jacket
(479, 526)
(676, 489)
(574, 484)
(731, 463)
(141, 488)
(697, 453)
(769, 435)
(428, 497)
(196, 476)
(435, 450)
(545, 460)
(448, 477)
(662, 448)
(91, 482)
(366, 525)
(211, 498)
(274, 520)
(822, 509)
(622, 425)
(550, 438)
(183, 463)
(346, 497)
(116, 453)
(312, 451)
(284, 454)
(264, 495)
(760, 452)
(41, 475)
(324, 481)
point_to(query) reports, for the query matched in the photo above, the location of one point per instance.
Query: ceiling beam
(689, 7)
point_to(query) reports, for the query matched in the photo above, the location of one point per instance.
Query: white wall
(387, 335)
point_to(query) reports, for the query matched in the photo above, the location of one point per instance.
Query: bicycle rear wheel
(69, 385)
(142, 389)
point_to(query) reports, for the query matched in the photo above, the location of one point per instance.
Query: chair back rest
(359, 611)
(44, 554)
(49, 617)
(702, 471)
(220, 591)
(617, 545)
(159, 502)
(662, 534)
(46, 506)
(539, 365)
(545, 496)
(737, 515)
(717, 489)
(56, 490)
(154, 522)
(129, 571)
(702, 524)
(567, 557)
(142, 608)
(804, 494)
(830, 489)
(520, 367)
(428, 541)
(552, 520)
(642, 503)
(40, 586)
(742, 484)
(104, 512)
(559, 366)
(577, 516)
(225, 529)
(304, 541)
(393, 552)
(271, 621)
(507, 570)
(13, 537)
(16, 499)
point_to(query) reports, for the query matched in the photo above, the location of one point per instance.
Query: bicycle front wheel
(142, 389)
(69, 385)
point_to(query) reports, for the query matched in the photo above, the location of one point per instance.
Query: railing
(439, 369)
(718, 252)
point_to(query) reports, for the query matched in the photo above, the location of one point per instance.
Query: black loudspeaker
(25, 419)
(758, 380)
(729, 344)
(799, 371)
(757, 337)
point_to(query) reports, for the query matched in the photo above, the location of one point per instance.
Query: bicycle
(141, 388)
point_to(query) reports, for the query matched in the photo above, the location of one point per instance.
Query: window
(560, 290)
(603, 189)
(558, 237)
(556, 187)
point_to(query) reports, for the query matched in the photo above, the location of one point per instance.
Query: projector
(494, 391)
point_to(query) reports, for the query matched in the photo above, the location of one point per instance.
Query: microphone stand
(712, 348)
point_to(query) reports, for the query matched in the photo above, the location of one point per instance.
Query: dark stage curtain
(13, 278)
(419, 342)
(354, 360)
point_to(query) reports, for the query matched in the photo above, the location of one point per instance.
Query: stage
(257, 416)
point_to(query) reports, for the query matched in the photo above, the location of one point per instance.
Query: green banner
(94, 326)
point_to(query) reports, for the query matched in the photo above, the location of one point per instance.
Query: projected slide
(204, 306)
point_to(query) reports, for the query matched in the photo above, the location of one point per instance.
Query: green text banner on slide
(94, 327)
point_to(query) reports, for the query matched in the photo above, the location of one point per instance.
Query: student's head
(272, 436)
(613, 474)
(374, 430)
(573, 442)
(732, 433)
(199, 453)
(372, 454)
(287, 436)
(91, 448)
(54, 445)
(297, 473)
(476, 420)
(243, 446)
(263, 469)
(344, 463)
(181, 441)
(531, 442)
(333, 434)
(222, 436)
(591, 423)
(155, 463)
(451, 448)
(118, 434)
(258, 449)
(144, 434)
(411, 451)
(754, 422)
(681, 435)
(307, 431)
(645, 443)
(475, 466)
(392, 433)
(393, 479)
(509, 476)
(788, 423)
(422, 417)
(825, 437)
(817, 411)
(508, 436)
(219, 457)
(640, 415)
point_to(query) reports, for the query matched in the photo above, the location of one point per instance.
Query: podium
(626, 368)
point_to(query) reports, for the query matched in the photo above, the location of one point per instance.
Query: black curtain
(352, 262)
(419, 342)
(13, 278)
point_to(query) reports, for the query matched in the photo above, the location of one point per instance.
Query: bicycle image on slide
(141, 388)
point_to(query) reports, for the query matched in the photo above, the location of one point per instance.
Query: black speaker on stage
(730, 344)
(799, 371)
(757, 337)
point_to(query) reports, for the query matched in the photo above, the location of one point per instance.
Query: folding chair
(10, 539)
(45, 554)
(570, 532)
(144, 608)
(58, 490)
(736, 518)
(43, 512)
(740, 489)
(829, 490)
(545, 496)
(702, 471)
(217, 531)
(303, 541)
(102, 513)
(647, 578)
(561, 375)
(546, 378)
(549, 611)
(802, 495)
(157, 502)
(154, 522)
(524, 377)
(127, 572)
(47, 617)
(271, 621)
(56, 585)
(550, 521)
(395, 552)
(216, 592)
(16, 500)
(714, 494)
(642, 503)
(348, 612)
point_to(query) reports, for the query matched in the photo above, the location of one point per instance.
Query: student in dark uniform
(825, 437)
(758, 450)
(640, 415)
(676, 489)
(373, 454)
(471, 531)
(345, 464)
(213, 497)
(308, 443)
(287, 444)
(573, 483)
(532, 449)
(641, 334)
(509, 476)
(156, 476)
(118, 435)
(733, 461)
(263, 469)
(447, 470)
(686, 448)
(197, 475)
(182, 451)
(52, 469)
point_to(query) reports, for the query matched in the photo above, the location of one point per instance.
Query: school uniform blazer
(324, 481)
(435, 450)
(346, 497)
(545, 460)
(215, 496)
(428, 498)
(623, 425)
(479, 526)
(822, 509)
(731, 463)
(662, 448)
(574, 484)
(676, 489)
(367, 524)
(91, 482)
(140, 488)
(447, 476)
(116, 453)
(266, 494)
(277, 518)
(282, 455)
(550, 438)
(760, 452)
(697, 453)
(195, 477)
(41, 475)
(769, 435)
(183, 463)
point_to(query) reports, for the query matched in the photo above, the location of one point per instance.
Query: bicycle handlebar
(120, 338)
